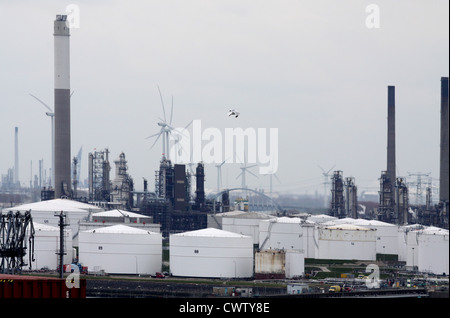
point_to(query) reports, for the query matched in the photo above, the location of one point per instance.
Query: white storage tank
(387, 235)
(310, 238)
(408, 243)
(433, 250)
(46, 245)
(346, 241)
(114, 217)
(281, 233)
(211, 253)
(121, 249)
(246, 223)
(44, 212)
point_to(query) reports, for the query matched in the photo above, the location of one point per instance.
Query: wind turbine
(276, 177)
(51, 114)
(326, 181)
(219, 175)
(166, 129)
(244, 168)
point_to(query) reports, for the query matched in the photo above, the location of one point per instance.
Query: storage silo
(433, 250)
(246, 223)
(407, 243)
(44, 212)
(211, 253)
(387, 235)
(281, 233)
(46, 245)
(121, 249)
(346, 241)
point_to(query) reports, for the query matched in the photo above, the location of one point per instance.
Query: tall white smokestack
(62, 107)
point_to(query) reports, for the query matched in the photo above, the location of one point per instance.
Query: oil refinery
(176, 227)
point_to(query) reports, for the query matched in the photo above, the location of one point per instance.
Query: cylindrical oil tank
(121, 249)
(211, 252)
(281, 233)
(246, 223)
(433, 251)
(407, 243)
(46, 245)
(346, 241)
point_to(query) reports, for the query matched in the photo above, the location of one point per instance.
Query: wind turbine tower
(219, 175)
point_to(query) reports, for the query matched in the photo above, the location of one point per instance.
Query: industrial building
(211, 253)
(120, 249)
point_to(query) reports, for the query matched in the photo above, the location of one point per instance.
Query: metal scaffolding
(14, 229)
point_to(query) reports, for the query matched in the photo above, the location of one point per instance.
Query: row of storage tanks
(235, 244)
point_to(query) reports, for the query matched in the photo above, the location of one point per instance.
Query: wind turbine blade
(331, 169)
(152, 135)
(156, 140)
(238, 176)
(253, 174)
(276, 177)
(162, 104)
(48, 107)
(188, 124)
(72, 93)
(251, 166)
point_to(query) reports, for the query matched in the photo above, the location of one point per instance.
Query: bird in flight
(233, 112)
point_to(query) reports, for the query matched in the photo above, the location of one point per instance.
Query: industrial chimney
(391, 135)
(444, 160)
(16, 157)
(62, 107)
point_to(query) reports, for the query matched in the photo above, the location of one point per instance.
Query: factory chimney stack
(62, 107)
(444, 160)
(391, 135)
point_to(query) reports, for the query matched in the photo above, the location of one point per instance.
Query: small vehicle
(335, 289)
(159, 275)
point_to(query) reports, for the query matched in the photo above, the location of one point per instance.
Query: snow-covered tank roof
(56, 205)
(119, 229)
(432, 230)
(210, 232)
(347, 226)
(250, 215)
(119, 213)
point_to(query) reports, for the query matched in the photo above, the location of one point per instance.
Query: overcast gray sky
(312, 69)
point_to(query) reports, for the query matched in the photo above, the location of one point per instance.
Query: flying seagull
(233, 112)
